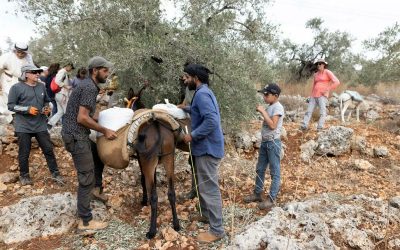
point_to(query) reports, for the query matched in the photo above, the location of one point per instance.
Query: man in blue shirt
(207, 143)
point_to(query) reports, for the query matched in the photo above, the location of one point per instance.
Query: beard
(100, 79)
(191, 85)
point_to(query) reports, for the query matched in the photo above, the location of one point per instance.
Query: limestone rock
(41, 216)
(394, 244)
(14, 167)
(8, 177)
(3, 187)
(358, 143)
(361, 164)
(372, 115)
(314, 222)
(358, 239)
(381, 151)
(395, 202)
(243, 140)
(335, 141)
(308, 150)
(258, 139)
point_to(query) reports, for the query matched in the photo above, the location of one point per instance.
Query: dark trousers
(89, 169)
(24, 149)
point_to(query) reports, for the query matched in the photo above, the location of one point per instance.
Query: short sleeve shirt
(83, 95)
(267, 133)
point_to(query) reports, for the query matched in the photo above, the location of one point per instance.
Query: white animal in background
(350, 99)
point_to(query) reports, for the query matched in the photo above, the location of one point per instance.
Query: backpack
(54, 86)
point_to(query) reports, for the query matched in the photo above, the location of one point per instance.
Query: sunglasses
(320, 63)
(33, 72)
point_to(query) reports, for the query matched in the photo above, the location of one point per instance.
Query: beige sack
(114, 153)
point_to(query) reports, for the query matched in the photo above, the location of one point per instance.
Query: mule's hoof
(143, 203)
(150, 235)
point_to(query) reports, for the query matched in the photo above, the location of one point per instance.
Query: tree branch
(226, 7)
(246, 26)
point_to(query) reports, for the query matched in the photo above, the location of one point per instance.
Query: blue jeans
(269, 153)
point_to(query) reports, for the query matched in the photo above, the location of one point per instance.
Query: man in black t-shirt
(79, 118)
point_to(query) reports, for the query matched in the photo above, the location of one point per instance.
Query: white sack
(115, 118)
(171, 109)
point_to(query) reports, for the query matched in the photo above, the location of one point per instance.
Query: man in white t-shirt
(10, 70)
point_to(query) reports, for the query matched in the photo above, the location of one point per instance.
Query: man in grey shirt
(29, 101)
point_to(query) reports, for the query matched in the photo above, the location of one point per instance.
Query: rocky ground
(343, 195)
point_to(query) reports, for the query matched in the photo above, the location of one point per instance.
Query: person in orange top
(324, 81)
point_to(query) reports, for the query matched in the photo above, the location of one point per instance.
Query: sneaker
(25, 180)
(97, 194)
(268, 204)
(92, 225)
(252, 198)
(207, 237)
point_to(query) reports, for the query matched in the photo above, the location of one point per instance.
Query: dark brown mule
(156, 145)
(133, 100)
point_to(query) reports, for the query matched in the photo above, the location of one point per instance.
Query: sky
(363, 19)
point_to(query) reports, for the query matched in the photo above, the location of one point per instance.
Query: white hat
(321, 60)
(21, 46)
(44, 68)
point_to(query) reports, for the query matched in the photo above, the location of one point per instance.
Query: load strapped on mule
(116, 153)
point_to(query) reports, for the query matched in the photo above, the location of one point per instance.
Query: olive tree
(297, 60)
(231, 37)
(386, 66)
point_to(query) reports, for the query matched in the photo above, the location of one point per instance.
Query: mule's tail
(143, 137)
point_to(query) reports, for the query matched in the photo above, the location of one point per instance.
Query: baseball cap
(99, 62)
(29, 68)
(272, 88)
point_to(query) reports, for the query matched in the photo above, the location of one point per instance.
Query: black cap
(272, 88)
(198, 70)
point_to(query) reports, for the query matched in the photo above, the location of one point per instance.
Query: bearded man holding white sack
(10, 69)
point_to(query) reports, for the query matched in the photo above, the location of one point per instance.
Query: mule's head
(130, 99)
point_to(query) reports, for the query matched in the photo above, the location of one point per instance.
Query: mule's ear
(131, 93)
